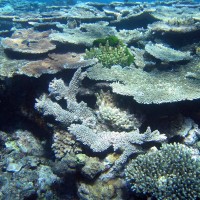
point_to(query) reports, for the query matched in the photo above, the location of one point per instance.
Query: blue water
(106, 1)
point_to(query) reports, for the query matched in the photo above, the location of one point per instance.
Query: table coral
(28, 41)
(166, 54)
(147, 88)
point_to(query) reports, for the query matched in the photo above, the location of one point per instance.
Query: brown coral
(28, 41)
(63, 143)
(55, 63)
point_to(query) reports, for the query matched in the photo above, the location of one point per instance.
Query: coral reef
(64, 144)
(112, 40)
(90, 167)
(135, 35)
(166, 175)
(91, 124)
(54, 63)
(83, 35)
(26, 172)
(112, 190)
(172, 21)
(76, 112)
(168, 28)
(86, 12)
(84, 126)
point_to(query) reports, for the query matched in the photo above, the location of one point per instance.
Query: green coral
(170, 173)
(112, 40)
(111, 51)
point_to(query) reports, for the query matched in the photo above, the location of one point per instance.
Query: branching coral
(109, 54)
(64, 144)
(76, 112)
(83, 124)
(125, 141)
(170, 173)
(115, 117)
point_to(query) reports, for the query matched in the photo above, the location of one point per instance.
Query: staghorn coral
(127, 142)
(166, 175)
(83, 124)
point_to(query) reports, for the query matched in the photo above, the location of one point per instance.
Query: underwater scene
(99, 100)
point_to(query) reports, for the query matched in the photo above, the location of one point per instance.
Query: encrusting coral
(169, 173)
